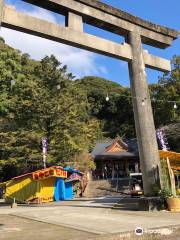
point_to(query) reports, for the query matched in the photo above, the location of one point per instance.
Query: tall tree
(167, 89)
(116, 115)
(166, 95)
(42, 101)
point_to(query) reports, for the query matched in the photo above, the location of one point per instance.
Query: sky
(83, 63)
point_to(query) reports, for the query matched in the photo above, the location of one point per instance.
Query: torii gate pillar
(144, 122)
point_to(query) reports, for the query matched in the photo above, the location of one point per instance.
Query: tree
(165, 115)
(116, 115)
(83, 161)
(167, 89)
(44, 102)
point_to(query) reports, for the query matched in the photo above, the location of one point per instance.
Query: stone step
(106, 187)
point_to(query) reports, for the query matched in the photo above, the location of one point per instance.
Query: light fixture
(175, 105)
(13, 82)
(107, 98)
(58, 87)
(143, 102)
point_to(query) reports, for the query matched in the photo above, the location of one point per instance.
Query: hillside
(100, 85)
(116, 115)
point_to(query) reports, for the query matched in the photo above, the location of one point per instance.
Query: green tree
(116, 115)
(83, 161)
(167, 89)
(165, 115)
(44, 102)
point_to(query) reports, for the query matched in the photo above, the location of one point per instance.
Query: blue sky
(82, 63)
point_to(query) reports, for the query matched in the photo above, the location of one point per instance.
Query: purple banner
(162, 140)
(45, 145)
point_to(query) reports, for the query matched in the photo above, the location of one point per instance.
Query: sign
(49, 172)
(74, 177)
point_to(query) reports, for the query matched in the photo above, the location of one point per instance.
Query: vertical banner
(45, 149)
(162, 140)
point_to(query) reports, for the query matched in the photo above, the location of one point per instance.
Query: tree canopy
(116, 115)
(166, 93)
(39, 99)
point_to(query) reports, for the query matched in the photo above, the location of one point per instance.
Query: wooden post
(172, 178)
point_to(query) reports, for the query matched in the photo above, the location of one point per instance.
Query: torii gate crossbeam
(135, 30)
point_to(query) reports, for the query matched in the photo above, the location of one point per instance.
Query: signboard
(74, 177)
(49, 172)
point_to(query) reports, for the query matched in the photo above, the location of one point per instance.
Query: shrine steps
(108, 187)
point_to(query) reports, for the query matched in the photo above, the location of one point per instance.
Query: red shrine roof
(114, 149)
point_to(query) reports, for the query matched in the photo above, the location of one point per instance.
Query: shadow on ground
(119, 203)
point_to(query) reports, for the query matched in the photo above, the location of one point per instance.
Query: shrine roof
(104, 148)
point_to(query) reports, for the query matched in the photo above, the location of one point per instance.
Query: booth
(46, 185)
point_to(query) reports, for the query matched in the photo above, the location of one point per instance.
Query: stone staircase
(109, 187)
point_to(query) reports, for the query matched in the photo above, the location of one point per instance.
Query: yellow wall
(46, 187)
(22, 189)
(26, 189)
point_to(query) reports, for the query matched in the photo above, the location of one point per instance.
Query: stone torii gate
(135, 30)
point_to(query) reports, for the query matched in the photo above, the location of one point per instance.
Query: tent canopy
(174, 158)
(170, 155)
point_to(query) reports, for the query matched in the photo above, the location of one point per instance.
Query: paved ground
(15, 228)
(94, 216)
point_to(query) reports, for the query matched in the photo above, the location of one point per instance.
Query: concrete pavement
(94, 216)
(15, 228)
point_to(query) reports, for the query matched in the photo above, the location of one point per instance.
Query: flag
(162, 140)
(44, 145)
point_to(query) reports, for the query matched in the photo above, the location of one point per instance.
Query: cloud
(79, 62)
(45, 15)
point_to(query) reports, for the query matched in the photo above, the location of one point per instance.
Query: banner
(45, 145)
(162, 140)
(49, 172)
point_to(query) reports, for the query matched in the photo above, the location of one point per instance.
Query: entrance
(135, 30)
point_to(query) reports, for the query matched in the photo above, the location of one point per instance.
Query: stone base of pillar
(151, 204)
(13, 205)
